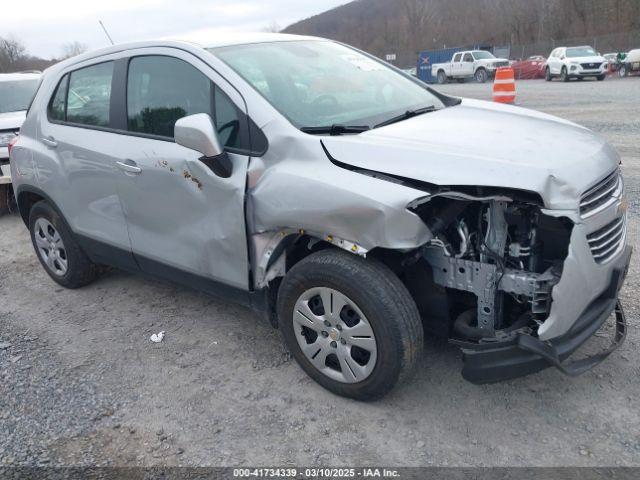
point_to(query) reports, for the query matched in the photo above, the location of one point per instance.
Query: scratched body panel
(180, 213)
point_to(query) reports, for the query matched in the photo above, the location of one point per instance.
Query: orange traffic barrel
(504, 86)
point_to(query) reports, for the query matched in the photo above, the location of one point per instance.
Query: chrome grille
(601, 194)
(606, 242)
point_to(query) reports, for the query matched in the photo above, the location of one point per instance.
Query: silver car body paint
(296, 188)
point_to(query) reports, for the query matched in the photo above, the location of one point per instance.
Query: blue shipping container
(429, 57)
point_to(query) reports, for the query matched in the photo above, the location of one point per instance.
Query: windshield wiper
(406, 115)
(335, 129)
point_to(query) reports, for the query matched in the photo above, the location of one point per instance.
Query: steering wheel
(326, 100)
(233, 136)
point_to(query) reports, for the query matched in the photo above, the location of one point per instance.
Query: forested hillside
(384, 26)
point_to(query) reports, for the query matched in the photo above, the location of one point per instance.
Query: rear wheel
(57, 250)
(350, 323)
(481, 75)
(623, 71)
(442, 77)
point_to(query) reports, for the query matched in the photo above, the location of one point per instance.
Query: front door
(183, 219)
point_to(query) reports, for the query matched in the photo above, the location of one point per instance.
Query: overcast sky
(45, 25)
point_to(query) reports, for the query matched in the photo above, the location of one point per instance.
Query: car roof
(221, 40)
(12, 77)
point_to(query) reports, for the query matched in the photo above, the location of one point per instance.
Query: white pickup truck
(477, 64)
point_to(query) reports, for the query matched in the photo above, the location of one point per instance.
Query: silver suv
(352, 205)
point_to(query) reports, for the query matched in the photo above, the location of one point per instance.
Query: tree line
(385, 26)
(15, 58)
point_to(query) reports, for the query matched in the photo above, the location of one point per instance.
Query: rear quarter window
(58, 103)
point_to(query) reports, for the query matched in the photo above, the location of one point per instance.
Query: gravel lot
(80, 383)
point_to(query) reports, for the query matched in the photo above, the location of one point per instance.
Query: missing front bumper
(525, 354)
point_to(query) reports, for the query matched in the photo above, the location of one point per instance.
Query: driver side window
(161, 90)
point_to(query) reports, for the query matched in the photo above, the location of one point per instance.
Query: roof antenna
(105, 32)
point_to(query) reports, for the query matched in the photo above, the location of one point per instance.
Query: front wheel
(481, 75)
(547, 75)
(564, 76)
(601, 77)
(623, 71)
(350, 323)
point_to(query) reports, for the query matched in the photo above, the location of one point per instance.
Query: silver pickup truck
(477, 64)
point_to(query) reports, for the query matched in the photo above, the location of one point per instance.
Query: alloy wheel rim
(334, 335)
(51, 247)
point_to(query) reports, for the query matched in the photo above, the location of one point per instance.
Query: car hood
(481, 143)
(11, 120)
(587, 59)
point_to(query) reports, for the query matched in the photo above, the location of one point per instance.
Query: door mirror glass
(198, 133)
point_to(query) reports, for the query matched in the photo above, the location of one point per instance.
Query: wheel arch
(27, 196)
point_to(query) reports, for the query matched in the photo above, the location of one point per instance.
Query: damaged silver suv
(354, 206)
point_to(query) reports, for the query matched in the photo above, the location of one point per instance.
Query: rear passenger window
(161, 90)
(468, 57)
(89, 96)
(457, 57)
(57, 105)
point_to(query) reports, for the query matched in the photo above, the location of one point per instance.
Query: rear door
(76, 165)
(183, 219)
(466, 68)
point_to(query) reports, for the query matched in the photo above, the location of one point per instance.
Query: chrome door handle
(129, 167)
(49, 142)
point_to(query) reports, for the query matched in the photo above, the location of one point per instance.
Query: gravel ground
(80, 383)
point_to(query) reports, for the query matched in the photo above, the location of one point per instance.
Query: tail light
(11, 143)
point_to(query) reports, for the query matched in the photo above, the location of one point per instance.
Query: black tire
(564, 75)
(481, 75)
(547, 75)
(601, 77)
(442, 77)
(385, 302)
(4, 199)
(80, 270)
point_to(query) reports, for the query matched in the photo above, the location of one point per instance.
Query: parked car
(630, 64)
(529, 69)
(353, 206)
(576, 62)
(477, 64)
(16, 91)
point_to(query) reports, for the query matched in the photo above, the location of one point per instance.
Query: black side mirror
(219, 164)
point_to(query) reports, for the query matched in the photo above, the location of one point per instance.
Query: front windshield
(16, 95)
(581, 52)
(318, 83)
(482, 55)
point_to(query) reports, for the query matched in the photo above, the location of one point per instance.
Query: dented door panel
(181, 214)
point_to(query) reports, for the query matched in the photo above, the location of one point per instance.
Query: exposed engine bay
(496, 259)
